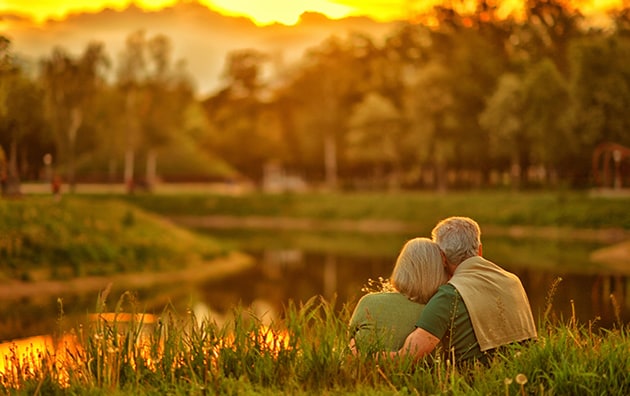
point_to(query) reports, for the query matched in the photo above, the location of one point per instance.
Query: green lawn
(41, 238)
(557, 209)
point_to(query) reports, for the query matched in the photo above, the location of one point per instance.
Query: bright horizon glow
(286, 12)
(261, 12)
(41, 10)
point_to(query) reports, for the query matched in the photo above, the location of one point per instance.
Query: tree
(70, 86)
(131, 74)
(330, 81)
(432, 113)
(236, 114)
(545, 116)
(550, 27)
(8, 166)
(600, 92)
(502, 119)
(21, 123)
(157, 91)
(374, 138)
(167, 93)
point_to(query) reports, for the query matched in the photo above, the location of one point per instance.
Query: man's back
(496, 301)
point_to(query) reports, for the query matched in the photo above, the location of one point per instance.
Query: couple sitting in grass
(445, 294)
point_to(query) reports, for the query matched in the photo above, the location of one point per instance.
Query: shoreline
(605, 235)
(212, 269)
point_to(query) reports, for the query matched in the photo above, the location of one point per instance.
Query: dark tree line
(467, 100)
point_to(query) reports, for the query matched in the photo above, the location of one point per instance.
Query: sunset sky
(261, 12)
(198, 36)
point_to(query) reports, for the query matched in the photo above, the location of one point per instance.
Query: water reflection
(298, 267)
(587, 296)
(601, 299)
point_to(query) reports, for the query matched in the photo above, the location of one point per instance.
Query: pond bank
(605, 235)
(213, 269)
(614, 256)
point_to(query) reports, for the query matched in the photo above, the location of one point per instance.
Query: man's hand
(418, 344)
(353, 347)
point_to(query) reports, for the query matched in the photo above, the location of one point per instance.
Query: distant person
(381, 321)
(4, 182)
(481, 308)
(4, 176)
(55, 185)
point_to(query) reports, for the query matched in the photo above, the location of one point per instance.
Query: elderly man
(482, 306)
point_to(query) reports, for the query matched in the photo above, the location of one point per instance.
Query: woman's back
(382, 321)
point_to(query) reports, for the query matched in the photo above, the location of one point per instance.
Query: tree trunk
(151, 169)
(111, 170)
(330, 161)
(129, 157)
(441, 176)
(131, 133)
(516, 176)
(13, 177)
(75, 123)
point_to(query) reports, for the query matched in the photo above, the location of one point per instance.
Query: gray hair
(419, 270)
(458, 237)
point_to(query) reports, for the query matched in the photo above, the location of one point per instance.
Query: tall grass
(305, 352)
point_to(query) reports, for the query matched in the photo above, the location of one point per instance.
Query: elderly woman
(381, 321)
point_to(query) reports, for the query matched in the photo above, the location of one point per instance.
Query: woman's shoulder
(380, 297)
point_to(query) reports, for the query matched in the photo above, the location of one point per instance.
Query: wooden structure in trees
(611, 155)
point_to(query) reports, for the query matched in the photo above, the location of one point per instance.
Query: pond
(297, 265)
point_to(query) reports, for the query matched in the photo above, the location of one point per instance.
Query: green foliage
(445, 114)
(43, 238)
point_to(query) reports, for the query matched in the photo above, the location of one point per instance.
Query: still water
(299, 265)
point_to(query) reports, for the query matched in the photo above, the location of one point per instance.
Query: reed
(124, 352)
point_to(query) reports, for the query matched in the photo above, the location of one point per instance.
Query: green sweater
(382, 321)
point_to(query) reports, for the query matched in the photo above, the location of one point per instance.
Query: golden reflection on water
(39, 355)
(27, 356)
(22, 349)
(44, 356)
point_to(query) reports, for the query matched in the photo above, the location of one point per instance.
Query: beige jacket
(496, 302)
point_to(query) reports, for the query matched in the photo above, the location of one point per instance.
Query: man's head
(459, 238)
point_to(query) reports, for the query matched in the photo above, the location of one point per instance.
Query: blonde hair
(419, 270)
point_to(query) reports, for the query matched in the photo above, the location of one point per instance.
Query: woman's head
(419, 270)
